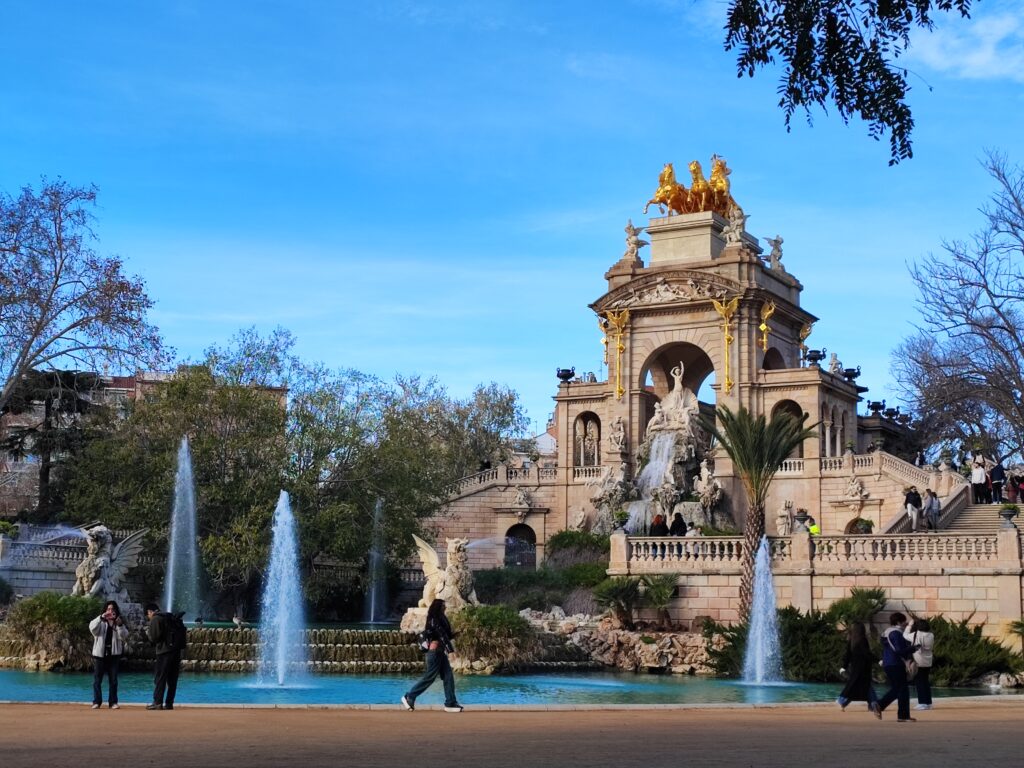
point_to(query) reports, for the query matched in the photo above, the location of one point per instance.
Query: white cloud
(989, 47)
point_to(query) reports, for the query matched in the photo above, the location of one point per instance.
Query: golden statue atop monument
(703, 195)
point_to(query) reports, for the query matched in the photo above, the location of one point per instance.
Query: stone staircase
(977, 520)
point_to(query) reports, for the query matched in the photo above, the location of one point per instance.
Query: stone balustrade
(503, 475)
(582, 474)
(973, 577)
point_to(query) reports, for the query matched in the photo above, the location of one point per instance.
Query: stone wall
(978, 578)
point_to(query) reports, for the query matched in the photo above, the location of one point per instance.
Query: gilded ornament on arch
(767, 310)
(727, 309)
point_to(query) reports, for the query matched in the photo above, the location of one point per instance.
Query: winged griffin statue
(454, 583)
(103, 571)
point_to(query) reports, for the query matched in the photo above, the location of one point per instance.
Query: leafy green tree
(61, 303)
(837, 53)
(757, 448)
(52, 405)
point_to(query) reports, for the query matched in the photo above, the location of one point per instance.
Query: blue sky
(439, 187)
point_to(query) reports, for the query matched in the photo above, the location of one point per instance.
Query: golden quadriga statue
(703, 194)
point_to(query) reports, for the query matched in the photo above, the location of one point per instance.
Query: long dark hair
(117, 608)
(436, 609)
(858, 635)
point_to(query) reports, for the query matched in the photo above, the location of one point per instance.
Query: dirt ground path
(976, 732)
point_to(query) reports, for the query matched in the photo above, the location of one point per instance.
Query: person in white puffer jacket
(109, 637)
(919, 634)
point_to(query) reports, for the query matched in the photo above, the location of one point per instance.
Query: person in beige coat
(108, 645)
(919, 634)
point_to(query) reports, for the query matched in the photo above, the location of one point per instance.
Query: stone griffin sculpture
(454, 583)
(103, 571)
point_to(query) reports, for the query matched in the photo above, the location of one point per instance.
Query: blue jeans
(105, 665)
(437, 664)
(872, 698)
(899, 691)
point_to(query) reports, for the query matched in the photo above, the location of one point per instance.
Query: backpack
(177, 634)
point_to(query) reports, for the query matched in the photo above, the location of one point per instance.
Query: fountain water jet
(282, 618)
(375, 604)
(762, 663)
(181, 584)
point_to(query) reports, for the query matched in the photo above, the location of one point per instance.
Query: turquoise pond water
(594, 688)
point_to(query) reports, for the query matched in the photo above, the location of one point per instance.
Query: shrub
(861, 605)
(495, 633)
(8, 529)
(659, 589)
(581, 600)
(521, 588)
(962, 654)
(54, 624)
(812, 647)
(725, 657)
(567, 548)
(585, 574)
(620, 594)
(6, 592)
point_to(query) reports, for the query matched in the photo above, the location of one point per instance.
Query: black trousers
(899, 691)
(105, 666)
(168, 665)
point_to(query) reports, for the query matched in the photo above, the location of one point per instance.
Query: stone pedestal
(414, 620)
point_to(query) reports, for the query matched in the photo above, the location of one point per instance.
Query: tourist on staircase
(912, 503)
(998, 477)
(932, 508)
(979, 479)
(896, 651)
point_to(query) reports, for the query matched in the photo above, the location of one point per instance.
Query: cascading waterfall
(181, 583)
(763, 661)
(375, 604)
(650, 479)
(282, 618)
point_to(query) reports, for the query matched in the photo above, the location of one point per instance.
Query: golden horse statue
(720, 195)
(700, 192)
(670, 194)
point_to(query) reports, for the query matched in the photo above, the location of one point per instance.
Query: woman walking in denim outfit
(438, 636)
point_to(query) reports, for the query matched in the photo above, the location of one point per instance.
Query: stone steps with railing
(977, 519)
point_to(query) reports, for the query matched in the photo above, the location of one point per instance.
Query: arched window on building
(794, 410)
(520, 547)
(587, 441)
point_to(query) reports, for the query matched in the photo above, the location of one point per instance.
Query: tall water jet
(282, 618)
(375, 603)
(763, 661)
(181, 583)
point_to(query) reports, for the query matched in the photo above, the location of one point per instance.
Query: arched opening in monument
(520, 547)
(656, 376)
(586, 440)
(794, 410)
(773, 360)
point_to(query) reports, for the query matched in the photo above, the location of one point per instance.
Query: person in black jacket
(678, 527)
(438, 637)
(857, 664)
(168, 658)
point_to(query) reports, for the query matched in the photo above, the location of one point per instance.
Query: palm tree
(757, 448)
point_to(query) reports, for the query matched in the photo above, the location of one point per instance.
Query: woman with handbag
(857, 666)
(921, 637)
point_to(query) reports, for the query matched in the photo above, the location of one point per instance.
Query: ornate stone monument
(453, 583)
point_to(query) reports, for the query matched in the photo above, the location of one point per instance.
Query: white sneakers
(95, 706)
(456, 708)
(922, 706)
(407, 704)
